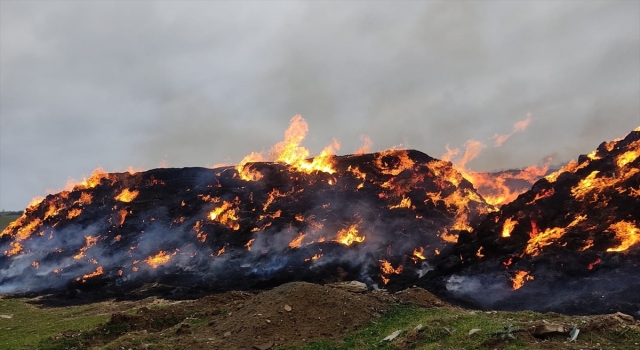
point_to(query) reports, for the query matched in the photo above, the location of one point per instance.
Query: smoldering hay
(242, 227)
(390, 219)
(568, 244)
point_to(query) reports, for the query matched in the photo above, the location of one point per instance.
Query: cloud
(198, 83)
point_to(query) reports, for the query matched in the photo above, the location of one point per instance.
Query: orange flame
(89, 242)
(35, 201)
(493, 188)
(349, 235)
(508, 226)
(126, 195)
(24, 229)
(627, 233)
(591, 265)
(520, 278)
(314, 257)
(296, 242)
(93, 181)
(404, 203)
(292, 153)
(248, 245)
(517, 127)
(15, 249)
(202, 237)
(123, 215)
(159, 259)
(400, 164)
(97, 272)
(246, 173)
(366, 145)
(85, 198)
(627, 157)
(540, 240)
(222, 250)
(419, 253)
(535, 244)
(226, 215)
(73, 213)
(387, 269)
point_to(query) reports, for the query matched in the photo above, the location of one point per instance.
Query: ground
(299, 316)
(7, 217)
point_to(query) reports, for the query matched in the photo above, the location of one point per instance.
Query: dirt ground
(291, 314)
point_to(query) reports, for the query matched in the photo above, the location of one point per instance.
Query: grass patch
(445, 328)
(441, 328)
(30, 325)
(6, 219)
(155, 327)
(114, 326)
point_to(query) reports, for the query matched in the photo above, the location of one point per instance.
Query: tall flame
(492, 187)
(292, 153)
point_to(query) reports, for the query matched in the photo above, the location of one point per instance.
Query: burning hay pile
(255, 225)
(389, 219)
(569, 244)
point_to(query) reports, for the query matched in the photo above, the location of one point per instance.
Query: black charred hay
(246, 228)
(569, 244)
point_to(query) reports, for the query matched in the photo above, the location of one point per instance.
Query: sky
(148, 84)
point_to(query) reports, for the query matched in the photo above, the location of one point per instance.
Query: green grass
(158, 333)
(449, 329)
(6, 219)
(443, 328)
(30, 325)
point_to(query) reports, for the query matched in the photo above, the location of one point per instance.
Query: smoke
(606, 290)
(487, 290)
(201, 83)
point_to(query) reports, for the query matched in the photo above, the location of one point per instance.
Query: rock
(548, 330)
(619, 315)
(392, 336)
(351, 286)
(287, 308)
(418, 328)
(263, 346)
(227, 334)
(184, 329)
(6, 316)
(473, 331)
